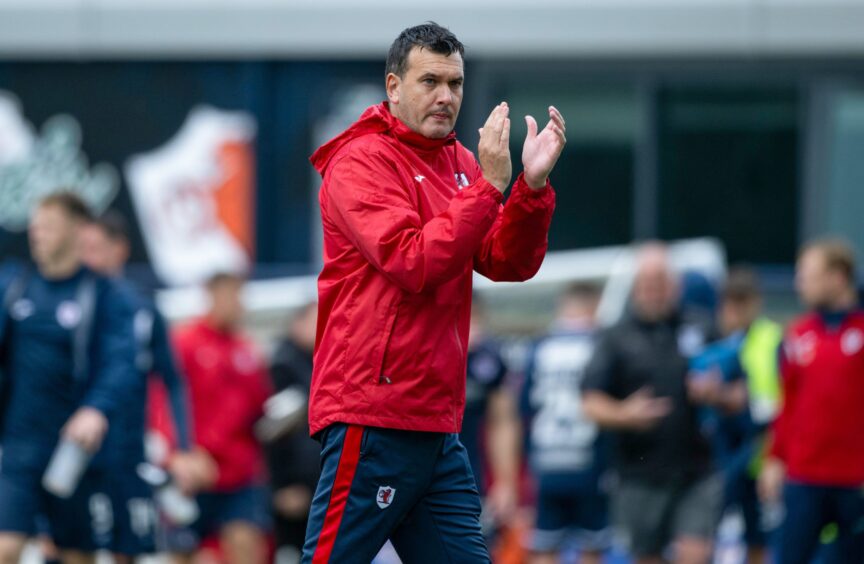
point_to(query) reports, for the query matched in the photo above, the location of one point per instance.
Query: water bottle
(178, 508)
(65, 469)
(283, 413)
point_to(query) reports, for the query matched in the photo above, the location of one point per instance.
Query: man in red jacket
(228, 384)
(408, 215)
(818, 443)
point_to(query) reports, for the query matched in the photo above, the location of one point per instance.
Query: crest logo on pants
(385, 496)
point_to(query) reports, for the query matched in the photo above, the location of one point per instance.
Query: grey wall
(344, 28)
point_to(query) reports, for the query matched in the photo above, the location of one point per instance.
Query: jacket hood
(376, 119)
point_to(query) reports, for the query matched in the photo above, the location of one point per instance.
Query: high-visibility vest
(759, 359)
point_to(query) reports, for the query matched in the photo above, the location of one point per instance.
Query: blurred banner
(33, 165)
(194, 197)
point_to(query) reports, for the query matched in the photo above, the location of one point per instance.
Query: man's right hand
(87, 427)
(292, 501)
(771, 478)
(641, 411)
(494, 148)
(193, 471)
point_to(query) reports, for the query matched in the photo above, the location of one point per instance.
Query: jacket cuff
(775, 448)
(540, 198)
(101, 405)
(537, 192)
(485, 187)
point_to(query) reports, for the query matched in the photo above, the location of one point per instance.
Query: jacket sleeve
(165, 365)
(112, 354)
(781, 429)
(513, 249)
(368, 202)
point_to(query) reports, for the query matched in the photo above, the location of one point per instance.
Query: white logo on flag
(179, 192)
(33, 164)
(385, 496)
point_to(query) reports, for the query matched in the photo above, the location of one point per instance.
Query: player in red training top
(227, 385)
(818, 444)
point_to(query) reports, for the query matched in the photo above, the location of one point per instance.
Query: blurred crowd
(633, 442)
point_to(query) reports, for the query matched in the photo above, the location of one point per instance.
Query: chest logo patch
(691, 341)
(68, 314)
(419, 178)
(461, 180)
(385, 496)
(804, 348)
(22, 309)
(245, 362)
(852, 341)
(485, 368)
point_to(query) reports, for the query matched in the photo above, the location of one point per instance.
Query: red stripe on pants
(339, 494)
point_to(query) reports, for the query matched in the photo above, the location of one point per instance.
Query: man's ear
(392, 84)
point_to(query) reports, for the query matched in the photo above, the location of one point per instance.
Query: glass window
(594, 177)
(843, 189)
(728, 168)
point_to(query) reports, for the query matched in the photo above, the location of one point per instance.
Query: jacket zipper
(383, 378)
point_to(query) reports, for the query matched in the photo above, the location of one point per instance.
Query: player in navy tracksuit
(566, 449)
(106, 249)
(68, 355)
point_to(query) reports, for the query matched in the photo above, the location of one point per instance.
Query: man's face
(654, 292)
(226, 306)
(738, 314)
(815, 283)
(101, 253)
(427, 99)
(52, 233)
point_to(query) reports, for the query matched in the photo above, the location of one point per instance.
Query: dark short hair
(70, 203)
(838, 254)
(583, 292)
(742, 285)
(430, 36)
(114, 225)
(220, 278)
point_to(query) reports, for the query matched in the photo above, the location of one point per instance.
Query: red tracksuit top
(819, 433)
(406, 220)
(228, 384)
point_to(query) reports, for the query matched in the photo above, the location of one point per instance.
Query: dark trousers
(414, 488)
(809, 509)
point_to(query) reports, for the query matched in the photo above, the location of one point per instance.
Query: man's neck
(220, 325)
(116, 273)
(574, 322)
(844, 302)
(63, 267)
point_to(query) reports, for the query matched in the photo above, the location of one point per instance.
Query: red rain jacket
(228, 384)
(819, 432)
(406, 220)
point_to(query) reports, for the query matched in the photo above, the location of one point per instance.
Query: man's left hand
(87, 427)
(502, 501)
(705, 388)
(541, 150)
